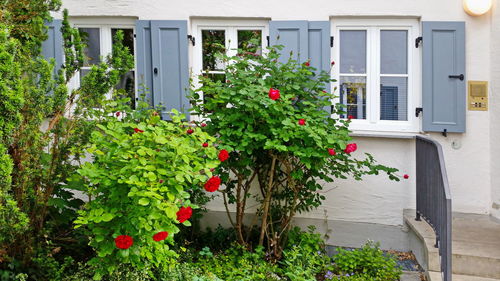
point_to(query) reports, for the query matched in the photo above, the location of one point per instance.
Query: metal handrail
(434, 197)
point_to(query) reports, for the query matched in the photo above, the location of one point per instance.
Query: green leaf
(107, 217)
(144, 201)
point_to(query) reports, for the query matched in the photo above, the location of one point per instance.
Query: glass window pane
(213, 42)
(128, 38)
(394, 51)
(126, 86)
(353, 95)
(250, 41)
(92, 52)
(353, 51)
(394, 98)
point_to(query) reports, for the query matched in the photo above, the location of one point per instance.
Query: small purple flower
(329, 275)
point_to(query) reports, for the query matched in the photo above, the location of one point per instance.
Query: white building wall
(495, 110)
(469, 157)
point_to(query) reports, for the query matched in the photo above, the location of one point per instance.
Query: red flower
(190, 131)
(212, 184)
(350, 117)
(117, 114)
(223, 155)
(137, 130)
(205, 144)
(212, 169)
(274, 94)
(307, 63)
(203, 124)
(184, 214)
(155, 113)
(406, 176)
(331, 151)
(350, 148)
(124, 242)
(160, 181)
(333, 62)
(162, 235)
(302, 122)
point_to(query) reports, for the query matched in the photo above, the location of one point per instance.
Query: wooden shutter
(162, 63)
(53, 46)
(443, 92)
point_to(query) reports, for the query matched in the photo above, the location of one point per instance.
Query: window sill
(381, 134)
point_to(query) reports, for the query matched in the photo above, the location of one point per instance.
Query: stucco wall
(376, 200)
(495, 110)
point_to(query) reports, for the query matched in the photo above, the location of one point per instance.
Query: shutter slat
(443, 98)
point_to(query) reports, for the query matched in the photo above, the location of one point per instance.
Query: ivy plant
(138, 184)
(277, 120)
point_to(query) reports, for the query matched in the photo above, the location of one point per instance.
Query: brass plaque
(478, 95)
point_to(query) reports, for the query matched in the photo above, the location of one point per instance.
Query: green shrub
(138, 181)
(369, 261)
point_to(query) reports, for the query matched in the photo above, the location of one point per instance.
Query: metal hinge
(192, 39)
(135, 35)
(418, 110)
(267, 38)
(418, 40)
(331, 41)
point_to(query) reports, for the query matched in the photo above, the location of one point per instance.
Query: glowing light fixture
(477, 7)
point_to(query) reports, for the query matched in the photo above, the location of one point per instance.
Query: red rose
(160, 181)
(160, 236)
(184, 214)
(274, 94)
(350, 117)
(137, 130)
(117, 114)
(406, 176)
(203, 124)
(331, 151)
(302, 122)
(124, 242)
(155, 113)
(223, 155)
(212, 169)
(324, 91)
(350, 148)
(205, 144)
(212, 184)
(307, 63)
(190, 131)
(333, 62)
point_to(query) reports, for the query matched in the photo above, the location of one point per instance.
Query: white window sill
(382, 134)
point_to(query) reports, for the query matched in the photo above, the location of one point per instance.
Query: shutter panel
(143, 59)
(319, 49)
(293, 35)
(53, 46)
(443, 97)
(169, 47)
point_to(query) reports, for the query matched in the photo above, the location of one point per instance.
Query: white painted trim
(373, 27)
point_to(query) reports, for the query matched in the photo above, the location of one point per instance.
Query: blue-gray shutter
(144, 59)
(53, 46)
(443, 97)
(293, 35)
(319, 48)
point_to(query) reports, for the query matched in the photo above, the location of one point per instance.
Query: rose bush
(270, 116)
(138, 185)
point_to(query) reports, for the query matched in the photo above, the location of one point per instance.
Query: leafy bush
(369, 261)
(138, 184)
(273, 119)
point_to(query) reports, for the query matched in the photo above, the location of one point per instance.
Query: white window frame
(231, 27)
(105, 26)
(373, 27)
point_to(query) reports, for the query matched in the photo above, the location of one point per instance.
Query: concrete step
(475, 245)
(436, 276)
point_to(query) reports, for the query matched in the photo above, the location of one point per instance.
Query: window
(100, 39)
(219, 35)
(377, 73)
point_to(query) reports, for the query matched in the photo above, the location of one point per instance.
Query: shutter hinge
(267, 37)
(135, 35)
(192, 39)
(418, 40)
(331, 41)
(418, 110)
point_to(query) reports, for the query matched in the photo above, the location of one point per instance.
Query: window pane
(250, 41)
(353, 95)
(92, 52)
(126, 86)
(393, 51)
(128, 38)
(353, 51)
(394, 98)
(213, 43)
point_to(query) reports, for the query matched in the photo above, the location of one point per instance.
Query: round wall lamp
(477, 7)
